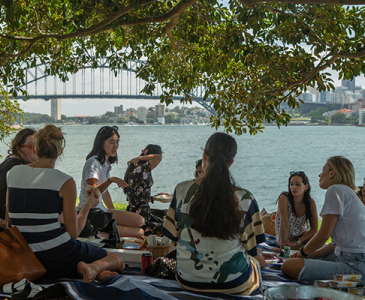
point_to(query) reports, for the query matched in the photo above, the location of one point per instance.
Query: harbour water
(262, 164)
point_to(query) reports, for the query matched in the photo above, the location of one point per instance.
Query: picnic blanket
(132, 285)
(136, 287)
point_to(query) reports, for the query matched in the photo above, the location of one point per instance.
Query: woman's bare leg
(292, 267)
(127, 218)
(130, 231)
(111, 262)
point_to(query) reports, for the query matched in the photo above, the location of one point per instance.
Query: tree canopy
(249, 55)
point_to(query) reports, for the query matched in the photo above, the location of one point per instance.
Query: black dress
(138, 195)
(5, 166)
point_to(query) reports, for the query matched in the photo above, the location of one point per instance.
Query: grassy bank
(117, 205)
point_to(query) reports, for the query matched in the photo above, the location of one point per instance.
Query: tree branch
(30, 46)
(275, 10)
(252, 3)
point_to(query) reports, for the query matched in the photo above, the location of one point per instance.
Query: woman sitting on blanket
(295, 209)
(343, 220)
(37, 194)
(96, 172)
(217, 226)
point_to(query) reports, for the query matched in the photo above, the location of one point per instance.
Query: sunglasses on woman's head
(29, 146)
(297, 173)
(109, 128)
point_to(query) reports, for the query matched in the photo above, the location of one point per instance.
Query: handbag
(97, 219)
(17, 260)
(113, 239)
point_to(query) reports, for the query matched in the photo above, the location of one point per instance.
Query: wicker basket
(158, 251)
(269, 223)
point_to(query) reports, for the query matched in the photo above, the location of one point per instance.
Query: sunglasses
(297, 173)
(109, 128)
(29, 146)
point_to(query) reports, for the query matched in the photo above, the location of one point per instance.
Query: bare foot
(87, 271)
(105, 274)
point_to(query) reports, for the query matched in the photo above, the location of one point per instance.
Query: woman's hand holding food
(92, 198)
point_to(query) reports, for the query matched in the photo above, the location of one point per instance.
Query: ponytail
(215, 210)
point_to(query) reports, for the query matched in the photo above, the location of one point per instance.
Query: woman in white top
(343, 219)
(296, 219)
(96, 172)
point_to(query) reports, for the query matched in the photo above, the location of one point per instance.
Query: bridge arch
(127, 85)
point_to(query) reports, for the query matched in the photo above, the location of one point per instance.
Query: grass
(117, 205)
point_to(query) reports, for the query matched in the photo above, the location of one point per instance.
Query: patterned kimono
(210, 264)
(139, 194)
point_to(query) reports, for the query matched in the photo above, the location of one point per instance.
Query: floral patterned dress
(138, 195)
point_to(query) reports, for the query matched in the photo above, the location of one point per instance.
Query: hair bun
(49, 142)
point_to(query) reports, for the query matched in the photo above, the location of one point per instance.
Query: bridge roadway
(206, 104)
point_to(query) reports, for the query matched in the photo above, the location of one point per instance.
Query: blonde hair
(49, 142)
(344, 171)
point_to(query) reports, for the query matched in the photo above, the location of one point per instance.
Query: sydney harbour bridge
(96, 83)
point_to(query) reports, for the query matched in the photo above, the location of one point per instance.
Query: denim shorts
(325, 268)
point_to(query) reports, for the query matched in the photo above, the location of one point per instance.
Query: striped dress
(34, 206)
(210, 264)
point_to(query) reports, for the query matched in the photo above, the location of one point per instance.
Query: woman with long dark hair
(96, 172)
(139, 183)
(342, 220)
(217, 226)
(296, 219)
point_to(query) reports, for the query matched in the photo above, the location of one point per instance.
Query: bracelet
(302, 252)
(299, 242)
(109, 180)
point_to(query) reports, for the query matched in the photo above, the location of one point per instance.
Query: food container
(342, 283)
(321, 283)
(356, 291)
(355, 277)
(285, 292)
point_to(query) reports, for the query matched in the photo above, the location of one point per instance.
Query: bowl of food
(163, 197)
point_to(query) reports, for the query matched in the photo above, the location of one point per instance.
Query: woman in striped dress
(37, 195)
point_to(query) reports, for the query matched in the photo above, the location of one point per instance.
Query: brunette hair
(103, 134)
(152, 149)
(359, 192)
(197, 165)
(306, 197)
(18, 142)
(49, 142)
(344, 171)
(215, 211)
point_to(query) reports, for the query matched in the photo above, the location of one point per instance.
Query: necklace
(298, 203)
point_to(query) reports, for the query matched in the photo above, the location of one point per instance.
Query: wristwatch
(302, 252)
(299, 242)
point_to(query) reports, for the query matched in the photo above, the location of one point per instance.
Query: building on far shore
(142, 114)
(160, 110)
(118, 110)
(56, 109)
(361, 116)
